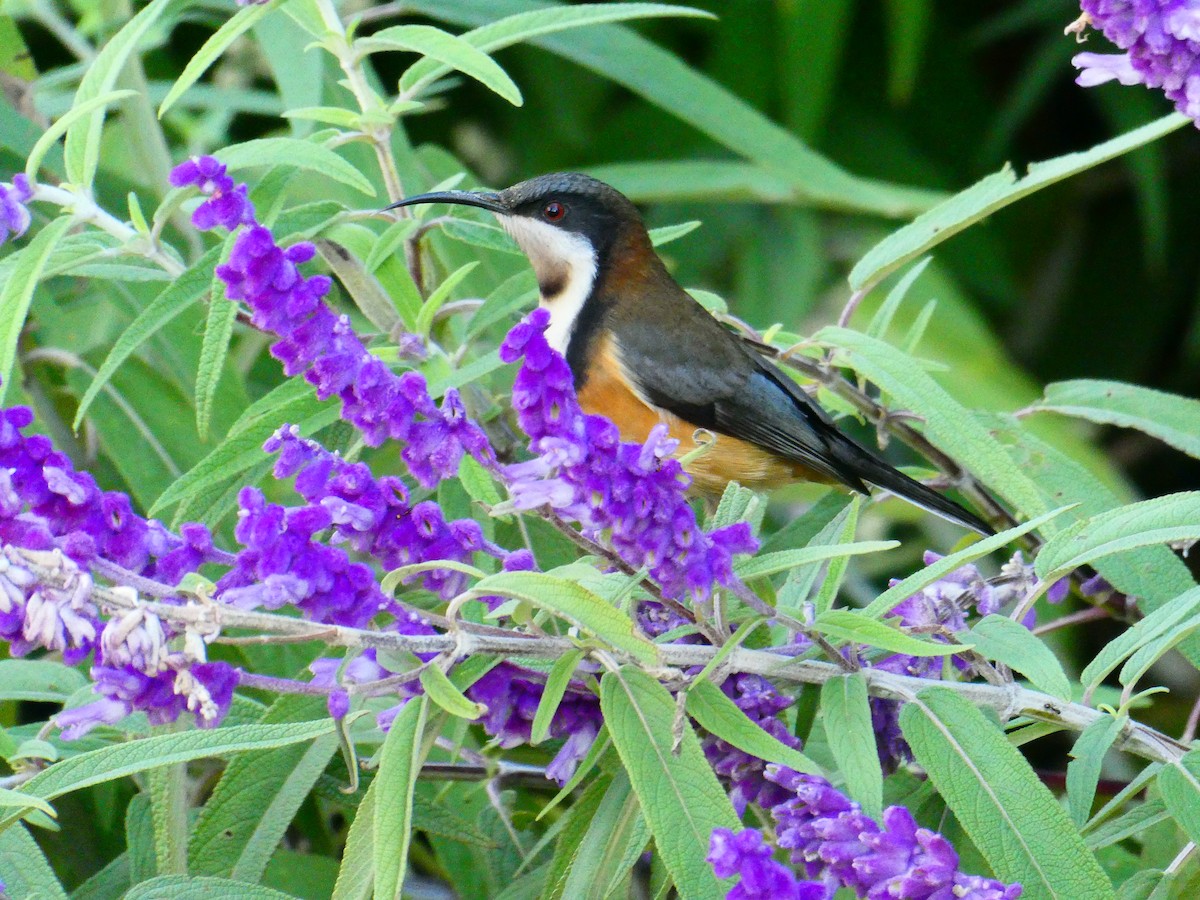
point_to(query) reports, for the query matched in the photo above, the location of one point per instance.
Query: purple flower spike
(745, 855)
(227, 205)
(636, 492)
(1161, 44)
(835, 841)
(14, 215)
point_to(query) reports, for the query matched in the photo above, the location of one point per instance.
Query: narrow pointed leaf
(1014, 820)
(1001, 639)
(847, 714)
(720, 716)
(16, 294)
(679, 794)
(1175, 517)
(399, 765)
(577, 604)
(1171, 418)
(1087, 757)
(991, 194)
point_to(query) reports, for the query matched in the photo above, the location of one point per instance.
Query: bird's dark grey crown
(565, 187)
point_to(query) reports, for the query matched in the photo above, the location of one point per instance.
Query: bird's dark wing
(729, 389)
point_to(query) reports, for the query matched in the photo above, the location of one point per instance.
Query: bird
(642, 351)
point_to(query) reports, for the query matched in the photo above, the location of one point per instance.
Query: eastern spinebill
(642, 351)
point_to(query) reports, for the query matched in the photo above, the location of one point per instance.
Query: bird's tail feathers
(875, 471)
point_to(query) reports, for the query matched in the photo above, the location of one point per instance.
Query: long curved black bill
(482, 199)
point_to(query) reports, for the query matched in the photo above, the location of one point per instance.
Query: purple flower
(284, 563)
(14, 215)
(374, 516)
(944, 607)
(834, 840)
(313, 340)
(635, 492)
(745, 855)
(227, 205)
(512, 697)
(1161, 44)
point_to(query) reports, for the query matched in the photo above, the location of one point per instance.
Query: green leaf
(659, 76)
(363, 287)
(17, 293)
(1162, 621)
(1014, 820)
(477, 481)
(188, 887)
(39, 680)
(27, 873)
(233, 28)
(239, 452)
(1173, 419)
(718, 715)
(189, 288)
(575, 603)
(572, 828)
(1175, 517)
(82, 150)
(985, 197)
(882, 320)
(446, 48)
(680, 796)
(299, 154)
(441, 690)
(439, 297)
(851, 736)
(11, 798)
(859, 628)
(552, 694)
(1133, 824)
(356, 875)
(1087, 757)
(214, 349)
(947, 424)
(399, 764)
(524, 26)
(121, 760)
(1011, 643)
(783, 560)
(668, 233)
(906, 587)
(258, 795)
(59, 128)
(140, 839)
(616, 836)
(1180, 786)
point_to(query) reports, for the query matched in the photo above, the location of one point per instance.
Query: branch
(1009, 701)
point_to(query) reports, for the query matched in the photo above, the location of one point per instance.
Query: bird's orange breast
(607, 391)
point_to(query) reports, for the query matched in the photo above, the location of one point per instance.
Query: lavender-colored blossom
(228, 204)
(1161, 44)
(374, 516)
(14, 214)
(321, 345)
(284, 563)
(746, 856)
(512, 699)
(831, 837)
(941, 610)
(636, 492)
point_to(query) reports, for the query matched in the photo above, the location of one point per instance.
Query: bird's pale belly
(725, 459)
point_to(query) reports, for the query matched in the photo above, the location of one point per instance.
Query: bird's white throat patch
(565, 265)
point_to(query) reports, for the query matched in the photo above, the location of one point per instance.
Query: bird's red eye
(554, 211)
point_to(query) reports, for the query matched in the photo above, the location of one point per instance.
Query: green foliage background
(800, 134)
